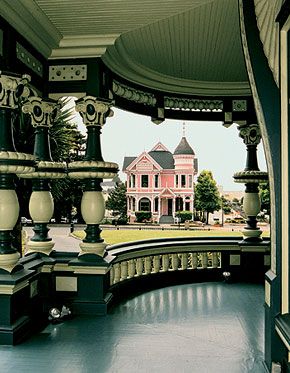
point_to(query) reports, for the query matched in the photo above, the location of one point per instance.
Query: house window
(187, 203)
(156, 204)
(156, 181)
(190, 181)
(133, 204)
(133, 181)
(183, 182)
(179, 204)
(144, 204)
(144, 181)
(176, 181)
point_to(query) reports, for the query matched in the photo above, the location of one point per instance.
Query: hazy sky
(217, 148)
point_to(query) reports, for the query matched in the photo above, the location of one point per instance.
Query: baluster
(112, 275)
(174, 262)
(124, 270)
(156, 263)
(148, 265)
(215, 260)
(139, 266)
(131, 268)
(165, 262)
(204, 260)
(117, 272)
(194, 260)
(184, 261)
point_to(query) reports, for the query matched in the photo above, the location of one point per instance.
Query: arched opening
(144, 204)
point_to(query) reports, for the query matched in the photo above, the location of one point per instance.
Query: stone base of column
(43, 247)
(17, 318)
(97, 248)
(93, 282)
(9, 262)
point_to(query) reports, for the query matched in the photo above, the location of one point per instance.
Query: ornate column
(251, 177)
(93, 170)
(11, 163)
(41, 206)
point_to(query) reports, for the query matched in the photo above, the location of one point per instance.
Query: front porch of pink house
(163, 206)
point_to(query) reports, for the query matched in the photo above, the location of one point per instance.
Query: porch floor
(208, 327)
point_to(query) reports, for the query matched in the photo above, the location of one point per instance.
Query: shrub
(142, 216)
(184, 215)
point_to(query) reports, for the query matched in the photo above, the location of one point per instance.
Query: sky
(217, 148)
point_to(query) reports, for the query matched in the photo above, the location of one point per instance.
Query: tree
(117, 201)
(226, 205)
(264, 192)
(207, 198)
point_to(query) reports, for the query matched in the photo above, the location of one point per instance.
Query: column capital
(42, 112)
(250, 134)
(12, 87)
(94, 111)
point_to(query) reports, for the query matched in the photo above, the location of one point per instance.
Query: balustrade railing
(147, 265)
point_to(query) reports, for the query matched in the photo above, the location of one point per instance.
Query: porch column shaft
(251, 177)
(41, 204)
(93, 169)
(11, 162)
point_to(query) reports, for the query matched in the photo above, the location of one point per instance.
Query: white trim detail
(284, 167)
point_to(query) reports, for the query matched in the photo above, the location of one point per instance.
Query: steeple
(183, 148)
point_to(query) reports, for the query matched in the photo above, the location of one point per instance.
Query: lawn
(126, 235)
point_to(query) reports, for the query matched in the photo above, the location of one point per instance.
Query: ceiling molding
(119, 62)
(83, 46)
(29, 20)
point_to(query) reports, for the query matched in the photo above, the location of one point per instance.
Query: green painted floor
(209, 327)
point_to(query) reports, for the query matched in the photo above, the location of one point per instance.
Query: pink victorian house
(161, 182)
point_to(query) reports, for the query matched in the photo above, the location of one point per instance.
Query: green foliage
(226, 205)
(207, 198)
(264, 192)
(142, 216)
(184, 215)
(117, 201)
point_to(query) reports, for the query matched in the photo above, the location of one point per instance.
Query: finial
(183, 129)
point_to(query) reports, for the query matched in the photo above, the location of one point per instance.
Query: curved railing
(147, 257)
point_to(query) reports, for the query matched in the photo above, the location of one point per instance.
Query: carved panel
(239, 105)
(133, 94)
(29, 60)
(67, 73)
(180, 103)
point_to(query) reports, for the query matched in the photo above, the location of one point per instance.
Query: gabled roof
(167, 192)
(159, 147)
(183, 148)
(163, 158)
(138, 159)
(127, 161)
